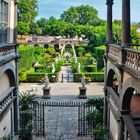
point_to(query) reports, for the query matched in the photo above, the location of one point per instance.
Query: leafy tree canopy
(27, 10)
(84, 15)
(23, 28)
(42, 24)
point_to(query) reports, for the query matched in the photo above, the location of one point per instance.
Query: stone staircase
(136, 120)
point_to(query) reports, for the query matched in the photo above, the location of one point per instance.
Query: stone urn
(46, 92)
(82, 93)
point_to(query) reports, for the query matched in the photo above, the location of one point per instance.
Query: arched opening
(135, 103)
(131, 101)
(68, 47)
(11, 77)
(127, 99)
(112, 80)
(46, 46)
(35, 45)
(56, 47)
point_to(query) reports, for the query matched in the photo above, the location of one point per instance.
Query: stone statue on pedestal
(46, 88)
(82, 90)
(83, 81)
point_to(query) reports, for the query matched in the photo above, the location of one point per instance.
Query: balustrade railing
(6, 99)
(130, 56)
(132, 59)
(113, 51)
(7, 52)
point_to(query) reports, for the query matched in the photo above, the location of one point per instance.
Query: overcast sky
(48, 8)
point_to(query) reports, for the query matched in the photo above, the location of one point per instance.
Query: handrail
(8, 45)
(130, 127)
(113, 95)
(6, 93)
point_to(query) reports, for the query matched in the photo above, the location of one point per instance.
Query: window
(3, 21)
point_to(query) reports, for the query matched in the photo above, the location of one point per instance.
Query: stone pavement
(65, 89)
(65, 70)
(61, 123)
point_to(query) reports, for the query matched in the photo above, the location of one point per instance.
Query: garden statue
(46, 81)
(46, 88)
(78, 68)
(75, 59)
(83, 81)
(53, 68)
(82, 90)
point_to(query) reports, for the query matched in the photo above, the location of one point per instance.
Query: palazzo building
(122, 81)
(8, 69)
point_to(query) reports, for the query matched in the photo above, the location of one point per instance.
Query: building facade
(8, 69)
(122, 81)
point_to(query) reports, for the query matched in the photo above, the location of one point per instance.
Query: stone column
(16, 91)
(126, 23)
(109, 39)
(109, 4)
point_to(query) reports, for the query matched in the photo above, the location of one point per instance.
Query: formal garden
(36, 61)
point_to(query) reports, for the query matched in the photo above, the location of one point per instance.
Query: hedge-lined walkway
(65, 70)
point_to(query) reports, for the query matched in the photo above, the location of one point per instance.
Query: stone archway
(11, 77)
(131, 101)
(68, 47)
(46, 46)
(56, 47)
(112, 80)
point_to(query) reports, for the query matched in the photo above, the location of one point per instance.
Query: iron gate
(85, 121)
(88, 116)
(32, 121)
(67, 78)
(38, 119)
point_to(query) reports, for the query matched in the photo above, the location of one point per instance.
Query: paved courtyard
(63, 89)
(61, 123)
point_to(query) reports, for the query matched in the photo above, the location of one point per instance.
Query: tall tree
(27, 10)
(84, 15)
(23, 28)
(42, 22)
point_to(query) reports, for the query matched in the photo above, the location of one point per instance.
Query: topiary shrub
(36, 77)
(99, 56)
(91, 68)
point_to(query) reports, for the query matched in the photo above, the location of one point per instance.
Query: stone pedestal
(82, 94)
(46, 92)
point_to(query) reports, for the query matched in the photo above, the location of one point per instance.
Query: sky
(48, 8)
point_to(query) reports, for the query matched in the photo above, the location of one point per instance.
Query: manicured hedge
(90, 77)
(27, 57)
(37, 77)
(91, 68)
(99, 56)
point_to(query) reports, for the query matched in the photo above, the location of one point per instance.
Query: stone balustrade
(7, 52)
(6, 99)
(132, 59)
(113, 51)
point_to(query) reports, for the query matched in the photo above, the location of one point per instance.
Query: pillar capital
(109, 2)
